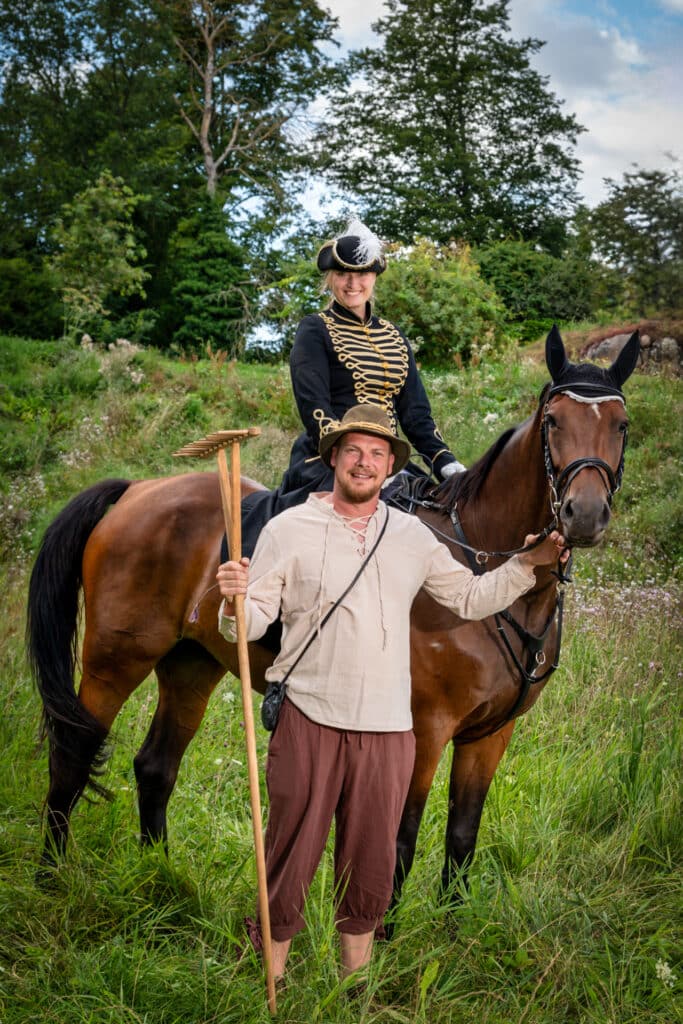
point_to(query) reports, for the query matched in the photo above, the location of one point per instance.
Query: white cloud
(618, 70)
(356, 18)
(615, 64)
(618, 140)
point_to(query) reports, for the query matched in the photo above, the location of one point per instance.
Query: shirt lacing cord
(359, 532)
(361, 536)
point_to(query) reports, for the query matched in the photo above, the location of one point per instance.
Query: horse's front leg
(472, 770)
(428, 750)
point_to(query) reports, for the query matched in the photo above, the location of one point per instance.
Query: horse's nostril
(568, 510)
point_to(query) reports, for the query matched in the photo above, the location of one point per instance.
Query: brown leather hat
(365, 419)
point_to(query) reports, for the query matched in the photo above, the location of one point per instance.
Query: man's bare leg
(356, 951)
(280, 951)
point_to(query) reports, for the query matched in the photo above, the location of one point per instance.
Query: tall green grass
(574, 906)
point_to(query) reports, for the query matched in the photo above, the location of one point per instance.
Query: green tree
(538, 289)
(251, 67)
(451, 133)
(98, 256)
(638, 230)
(212, 296)
(125, 85)
(85, 86)
(29, 298)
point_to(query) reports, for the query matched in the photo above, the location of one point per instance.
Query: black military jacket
(338, 361)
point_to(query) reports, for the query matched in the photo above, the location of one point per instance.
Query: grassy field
(574, 908)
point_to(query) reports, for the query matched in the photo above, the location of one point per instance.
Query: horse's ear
(625, 363)
(555, 355)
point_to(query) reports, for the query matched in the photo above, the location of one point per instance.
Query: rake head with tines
(230, 496)
(214, 442)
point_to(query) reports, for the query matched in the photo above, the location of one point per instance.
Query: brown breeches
(316, 774)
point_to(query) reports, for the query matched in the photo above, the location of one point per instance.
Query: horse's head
(584, 431)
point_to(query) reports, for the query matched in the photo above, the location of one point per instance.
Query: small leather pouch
(272, 702)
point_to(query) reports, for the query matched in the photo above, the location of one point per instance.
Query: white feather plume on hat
(369, 246)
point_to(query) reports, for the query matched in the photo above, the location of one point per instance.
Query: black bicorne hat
(357, 249)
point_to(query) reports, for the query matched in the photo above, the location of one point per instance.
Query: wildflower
(490, 417)
(665, 974)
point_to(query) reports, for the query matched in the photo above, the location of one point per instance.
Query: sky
(618, 67)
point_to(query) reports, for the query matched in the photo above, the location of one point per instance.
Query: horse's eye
(551, 421)
(623, 426)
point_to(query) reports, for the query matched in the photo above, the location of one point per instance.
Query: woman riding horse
(342, 357)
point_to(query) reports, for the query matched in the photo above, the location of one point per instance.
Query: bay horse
(142, 557)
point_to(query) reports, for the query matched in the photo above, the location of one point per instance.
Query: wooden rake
(218, 442)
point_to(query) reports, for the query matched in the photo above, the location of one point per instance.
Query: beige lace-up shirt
(356, 673)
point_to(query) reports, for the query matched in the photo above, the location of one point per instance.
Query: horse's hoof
(46, 875)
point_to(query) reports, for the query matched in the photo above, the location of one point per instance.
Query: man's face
(361, 464)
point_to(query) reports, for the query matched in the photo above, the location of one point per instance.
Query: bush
(98, 252)
(438, 298)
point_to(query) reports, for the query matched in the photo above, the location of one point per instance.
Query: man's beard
(359, 495)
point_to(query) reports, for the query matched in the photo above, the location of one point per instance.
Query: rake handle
(230, 499)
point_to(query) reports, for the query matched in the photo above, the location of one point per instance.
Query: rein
(532, 644)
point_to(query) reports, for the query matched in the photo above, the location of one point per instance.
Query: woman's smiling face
(353, 289)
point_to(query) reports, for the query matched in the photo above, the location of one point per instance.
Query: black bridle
(558, 484)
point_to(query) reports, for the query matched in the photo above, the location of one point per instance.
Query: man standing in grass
(344, 748)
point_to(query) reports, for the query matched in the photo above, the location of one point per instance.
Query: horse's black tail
(52, 627)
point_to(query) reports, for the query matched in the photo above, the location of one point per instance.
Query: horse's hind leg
(78, 754)
(70, 772)
(187, 676)
(472, 770)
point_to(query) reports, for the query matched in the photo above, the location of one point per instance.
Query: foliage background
(212, 119)
(164, 145)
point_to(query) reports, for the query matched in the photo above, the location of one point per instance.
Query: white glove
(452, 467)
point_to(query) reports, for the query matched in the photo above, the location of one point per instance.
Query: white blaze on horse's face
(583, 429)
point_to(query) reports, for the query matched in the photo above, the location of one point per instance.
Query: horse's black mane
(463, 487)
